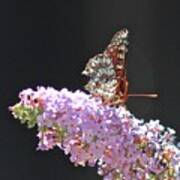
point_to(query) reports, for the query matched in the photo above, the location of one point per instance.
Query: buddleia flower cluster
(92, 133)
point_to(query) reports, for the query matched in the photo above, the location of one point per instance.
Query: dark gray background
(49, 42)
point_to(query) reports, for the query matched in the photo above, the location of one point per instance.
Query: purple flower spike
(93, 133)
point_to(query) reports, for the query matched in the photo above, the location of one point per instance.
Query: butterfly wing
(107, 71)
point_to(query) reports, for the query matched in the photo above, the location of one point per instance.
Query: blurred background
(49, 42)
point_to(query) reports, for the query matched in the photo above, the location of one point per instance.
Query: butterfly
(107, 72)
